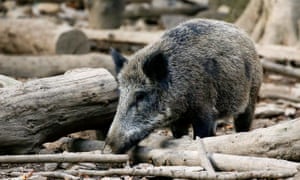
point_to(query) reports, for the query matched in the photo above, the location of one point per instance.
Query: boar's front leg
(180, 127)
(204, 125)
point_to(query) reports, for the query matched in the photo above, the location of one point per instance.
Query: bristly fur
(197, 72)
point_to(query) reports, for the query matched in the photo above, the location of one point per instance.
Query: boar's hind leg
(180, 128)
(243, 121)
(204, 125)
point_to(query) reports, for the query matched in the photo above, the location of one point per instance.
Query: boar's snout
(114, 145)
(117, 141)
(120, 140)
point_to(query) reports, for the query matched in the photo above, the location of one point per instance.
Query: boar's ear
(119, 60)
(156, 67)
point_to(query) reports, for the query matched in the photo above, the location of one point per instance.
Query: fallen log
(278, 52)
(139, 10)
(20, 36)
(221, 162)
(279, 141)
(120, 36)
(281, 69)
(49, 65)
(272, 52)
(44, 110)
(273, 91)
(126, 41)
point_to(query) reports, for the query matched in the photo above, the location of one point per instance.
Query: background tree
(272, 21)
(105, 14)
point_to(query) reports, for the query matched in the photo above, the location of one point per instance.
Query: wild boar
(194, 74)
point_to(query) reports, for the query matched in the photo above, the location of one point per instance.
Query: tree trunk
(272, 21)
(44, 110)
(30, 36)
(105, 14)
(44, 66)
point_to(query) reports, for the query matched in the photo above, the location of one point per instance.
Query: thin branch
(43, 158)
(53, 174)
(205, 162)
(184, 173)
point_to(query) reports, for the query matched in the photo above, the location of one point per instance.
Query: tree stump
(36, 36)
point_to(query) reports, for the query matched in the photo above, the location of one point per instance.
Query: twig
(53, 174)
(43, 158)
(186, 174)
(205, 162)
(283, 70)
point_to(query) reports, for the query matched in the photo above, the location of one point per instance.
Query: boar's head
(143, 86)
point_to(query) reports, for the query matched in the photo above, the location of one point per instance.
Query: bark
(49, 65)
(35, 36)
(44, 110)
(105, 14)
(272, 21)
(278, 141)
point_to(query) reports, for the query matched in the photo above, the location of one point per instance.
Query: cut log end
(72, 42)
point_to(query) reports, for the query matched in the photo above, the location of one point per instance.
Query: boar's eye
(139, 96)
